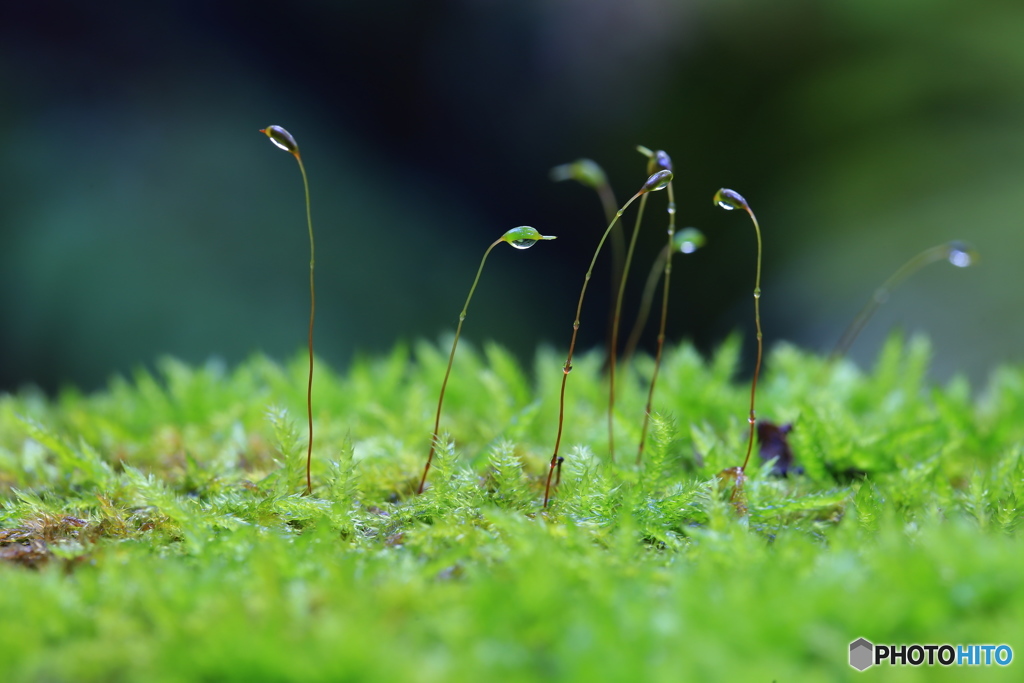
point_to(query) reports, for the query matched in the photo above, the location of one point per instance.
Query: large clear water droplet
(524, 237)
(658, 181)
(962, 254)
(730, 199)
(688, 240)
(282, 138)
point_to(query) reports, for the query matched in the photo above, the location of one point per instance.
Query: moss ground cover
(156, 530)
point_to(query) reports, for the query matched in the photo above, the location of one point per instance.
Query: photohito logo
(864, 654)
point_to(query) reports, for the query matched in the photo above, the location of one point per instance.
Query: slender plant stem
(312, 314)
(614, 336)
(607, 197)
(936, 253)
(567, 367)
(451, 358)
(664, 317)
(646, 300)
(752, 419)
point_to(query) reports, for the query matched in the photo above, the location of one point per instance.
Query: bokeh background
(143, 214)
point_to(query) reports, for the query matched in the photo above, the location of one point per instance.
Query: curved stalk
(959, 254)
(451, 359)
(522, 237)
(729, 200)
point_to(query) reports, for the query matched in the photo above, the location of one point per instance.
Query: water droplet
(671, 208)
(584, 171)
(658, 181)
(962, 254)
(282, 138)
(524, 237)
(730, 199)
(688, 240)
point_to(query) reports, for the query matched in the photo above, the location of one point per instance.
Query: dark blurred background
(143, 214)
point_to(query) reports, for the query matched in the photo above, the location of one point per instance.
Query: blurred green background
(143, 214)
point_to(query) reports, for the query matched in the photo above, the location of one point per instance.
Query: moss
(155, 530)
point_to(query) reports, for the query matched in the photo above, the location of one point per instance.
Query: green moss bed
(157, 531)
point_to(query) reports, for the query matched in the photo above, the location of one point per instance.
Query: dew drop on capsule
(658, 181)
(961, 254)
(688, 240)
(282, 138)
(730, 199)
(524, 237)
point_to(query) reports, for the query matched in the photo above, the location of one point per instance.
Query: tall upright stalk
(283, 139)
(659, 159)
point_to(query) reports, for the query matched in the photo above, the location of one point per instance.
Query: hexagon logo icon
(861, 654)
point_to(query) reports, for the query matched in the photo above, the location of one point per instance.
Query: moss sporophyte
(522, 237)
(284, 140)
(957, 253)
(730, 200)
